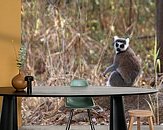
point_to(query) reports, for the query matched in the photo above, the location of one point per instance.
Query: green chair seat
(79, 102)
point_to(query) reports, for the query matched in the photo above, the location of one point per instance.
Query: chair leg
(138, 123)
(70, 119)
(131, 123)
(90, 120)
(150, 123)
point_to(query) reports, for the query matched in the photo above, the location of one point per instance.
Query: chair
(138, 114)
(79, 102)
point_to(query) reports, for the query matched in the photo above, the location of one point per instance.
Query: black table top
(66, 91)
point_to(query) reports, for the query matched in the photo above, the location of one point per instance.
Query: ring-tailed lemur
(126, 66)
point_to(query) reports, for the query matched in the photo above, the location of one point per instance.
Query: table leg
(117, 115)
(9, 113)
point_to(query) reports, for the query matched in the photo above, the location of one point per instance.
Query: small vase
(18, 82)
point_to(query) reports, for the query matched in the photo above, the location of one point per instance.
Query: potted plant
(21, 57)
(18, 81)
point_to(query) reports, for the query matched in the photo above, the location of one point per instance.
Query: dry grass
(74, 40)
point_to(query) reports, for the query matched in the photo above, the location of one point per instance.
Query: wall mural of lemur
(126, 66)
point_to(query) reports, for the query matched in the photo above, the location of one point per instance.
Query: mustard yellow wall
(10, 28)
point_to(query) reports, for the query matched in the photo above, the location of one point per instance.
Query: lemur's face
(120, 44)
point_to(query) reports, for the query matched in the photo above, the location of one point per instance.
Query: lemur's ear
(115, 38)
(127, 40)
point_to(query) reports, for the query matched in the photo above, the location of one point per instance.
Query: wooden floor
(82, 127)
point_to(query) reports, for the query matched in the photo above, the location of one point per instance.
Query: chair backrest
(78, 83)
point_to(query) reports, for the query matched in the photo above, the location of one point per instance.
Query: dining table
(9, 119)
